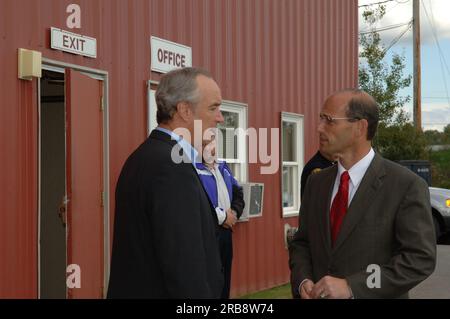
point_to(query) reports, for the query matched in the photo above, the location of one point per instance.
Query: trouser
(226, 255)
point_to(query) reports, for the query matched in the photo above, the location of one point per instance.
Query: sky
(435, 33)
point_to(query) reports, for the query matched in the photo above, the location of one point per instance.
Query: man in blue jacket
(227, 197)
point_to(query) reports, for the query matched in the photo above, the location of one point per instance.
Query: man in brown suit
(366, 229)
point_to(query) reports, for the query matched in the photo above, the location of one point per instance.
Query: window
(292, 150)
(232, 147)
(152, 109)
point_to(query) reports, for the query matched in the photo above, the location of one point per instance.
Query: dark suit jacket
(238, 203)
(165, 236)
(317, 162)
(388, 223)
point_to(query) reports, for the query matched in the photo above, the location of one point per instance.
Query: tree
(379, 79)
(434, 137)
(396, 138)
(402, 141)
(446, 133)
(447, 130)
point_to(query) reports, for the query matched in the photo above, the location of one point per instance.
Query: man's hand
(331, 288)
(306, 288)
(230, 220)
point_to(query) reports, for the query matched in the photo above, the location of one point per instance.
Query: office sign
(167, 56)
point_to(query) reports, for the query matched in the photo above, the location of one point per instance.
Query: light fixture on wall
(29, 64)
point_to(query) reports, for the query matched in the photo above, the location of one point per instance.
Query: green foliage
(435, 137)
(447, 130)
(401, 142)
(440, 168)
(446, 134)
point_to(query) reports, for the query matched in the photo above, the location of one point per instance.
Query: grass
(440, 168)
(281, 292)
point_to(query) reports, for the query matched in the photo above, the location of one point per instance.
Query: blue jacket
(209, 182)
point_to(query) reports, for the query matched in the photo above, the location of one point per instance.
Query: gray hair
(177, 86)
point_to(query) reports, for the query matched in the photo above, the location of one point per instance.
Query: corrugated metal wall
(274, 55)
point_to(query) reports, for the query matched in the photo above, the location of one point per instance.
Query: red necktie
(339, 206)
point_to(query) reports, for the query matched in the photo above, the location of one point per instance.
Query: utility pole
(417, 103)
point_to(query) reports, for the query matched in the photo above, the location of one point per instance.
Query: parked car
(439, 197)
(440, 204)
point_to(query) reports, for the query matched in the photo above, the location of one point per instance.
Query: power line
(381, 2)
(435, 35)
(433, 29)
(390, 27)
(394, 41)
(435, 97)
(388, 9)
(373, 4)
(441, 55)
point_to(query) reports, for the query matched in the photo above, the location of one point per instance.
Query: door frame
(58, 66)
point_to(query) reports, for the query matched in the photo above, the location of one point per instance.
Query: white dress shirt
(356, 173)
(222, 195)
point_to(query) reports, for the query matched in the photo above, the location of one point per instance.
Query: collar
(190, 151)
(358, 170)
(217, 164)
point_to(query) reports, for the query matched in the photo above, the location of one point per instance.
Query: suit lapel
(326, 190)
(367, 190)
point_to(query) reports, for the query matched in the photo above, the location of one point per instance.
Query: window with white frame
(152, 109)
(292, 150)
(232, 143)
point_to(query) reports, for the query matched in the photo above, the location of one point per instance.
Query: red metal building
(66, 134)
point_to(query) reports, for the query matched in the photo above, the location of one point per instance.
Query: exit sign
(73, 43)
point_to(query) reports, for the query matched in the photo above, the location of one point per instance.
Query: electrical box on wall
(253, 197)
(29, 64)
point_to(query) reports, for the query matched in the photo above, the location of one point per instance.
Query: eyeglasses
(331, 120)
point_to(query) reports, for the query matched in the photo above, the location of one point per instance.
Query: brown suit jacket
(388, 223)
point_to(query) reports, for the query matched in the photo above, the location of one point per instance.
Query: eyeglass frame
(332, 120)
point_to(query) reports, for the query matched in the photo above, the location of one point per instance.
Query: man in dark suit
(317, 163)
(366, 229)
(165, 235)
